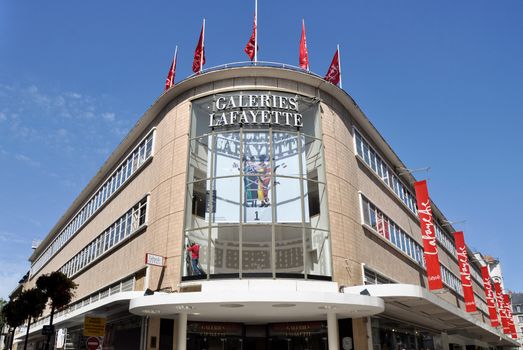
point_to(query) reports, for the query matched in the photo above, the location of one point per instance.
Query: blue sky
(441, 80)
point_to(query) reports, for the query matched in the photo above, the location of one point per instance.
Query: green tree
(13, 317)
(59, 289)
(2, 322)
(32, 304)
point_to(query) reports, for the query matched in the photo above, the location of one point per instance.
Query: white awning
(418, 306)
(258, 300)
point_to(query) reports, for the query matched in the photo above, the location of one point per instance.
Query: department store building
(304, 217)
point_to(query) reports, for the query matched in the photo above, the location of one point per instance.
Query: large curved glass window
(256, 194)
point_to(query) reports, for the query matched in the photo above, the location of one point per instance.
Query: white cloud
(27, 160)
(9, 237)
(62, 132)
(3, 117)
(108, 116)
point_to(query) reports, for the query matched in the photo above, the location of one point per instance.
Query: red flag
(169, 82)
(250, 48)
(430, 248)
(334, 73)
(199, 53)
(464, 269)
(508, 312)
(501, 307)
(489, 294)
(304, 53)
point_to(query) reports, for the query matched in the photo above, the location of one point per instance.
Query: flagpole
(203, 46)
(174, 61)
(256, 31)
(339, 64)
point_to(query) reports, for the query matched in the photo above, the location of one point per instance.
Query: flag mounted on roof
(199, 52)
(169, 82)
(304, 53)
(334, 73)
(251, 49)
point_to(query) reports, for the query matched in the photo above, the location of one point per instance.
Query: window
(106, 240)
(372, 277)
(451, 280)
(111, 185)
(256, 194)
(389, 230)
(378, 165)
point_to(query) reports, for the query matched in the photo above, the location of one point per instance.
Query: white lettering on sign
(262, 109)
(425, 213)
(464, 267)
(155, 260)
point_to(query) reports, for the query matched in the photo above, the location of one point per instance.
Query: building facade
(517, 312)
(276, 216)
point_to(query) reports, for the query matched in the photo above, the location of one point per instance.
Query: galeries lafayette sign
(255, 109)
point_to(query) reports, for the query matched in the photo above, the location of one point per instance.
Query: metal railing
(241, 64)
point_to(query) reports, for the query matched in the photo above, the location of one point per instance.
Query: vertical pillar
(332, 331)
(445, 341)
(147, 278)
(182, 332)
(441, 341)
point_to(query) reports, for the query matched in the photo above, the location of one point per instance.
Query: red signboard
(501, 307)
(428, 234)
(464, 270)
(489, 294)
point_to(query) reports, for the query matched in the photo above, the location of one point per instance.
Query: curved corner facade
(273, 214)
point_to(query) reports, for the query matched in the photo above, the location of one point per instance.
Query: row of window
(372, 277)
(445, 240)
(387, 228)
(451, 280)
(124, 285)
(122, 228)
(371, 157)
(119, 177)
(448, 243)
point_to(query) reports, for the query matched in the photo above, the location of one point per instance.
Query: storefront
(235, 336)
(388, 334)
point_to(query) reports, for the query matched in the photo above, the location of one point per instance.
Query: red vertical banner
(508, 312)
(464, 270)
(501, 307)
(489, 295)
(428, 235)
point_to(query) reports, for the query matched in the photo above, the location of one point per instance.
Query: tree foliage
(2, 321)
(57, 287)
(32, 302)
(12, 315)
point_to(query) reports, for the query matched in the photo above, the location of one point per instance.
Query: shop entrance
(275, 336)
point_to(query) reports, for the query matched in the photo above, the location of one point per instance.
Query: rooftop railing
(255, 64)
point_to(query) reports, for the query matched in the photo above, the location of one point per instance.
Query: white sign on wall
(155, 260)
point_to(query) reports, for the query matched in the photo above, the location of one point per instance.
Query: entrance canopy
(418, 306)
(258, 301)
